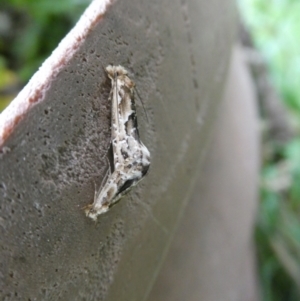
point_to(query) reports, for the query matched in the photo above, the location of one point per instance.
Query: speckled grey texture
(177, 53)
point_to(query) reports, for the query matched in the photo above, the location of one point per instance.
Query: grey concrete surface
(212, 256)
(177, 53)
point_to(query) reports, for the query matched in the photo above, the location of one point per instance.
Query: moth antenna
(138, 94)
(95, 187)
(107, 174)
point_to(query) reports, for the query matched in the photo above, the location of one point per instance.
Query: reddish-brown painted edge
(36, 89)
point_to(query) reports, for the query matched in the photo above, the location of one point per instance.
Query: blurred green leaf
(275, 28)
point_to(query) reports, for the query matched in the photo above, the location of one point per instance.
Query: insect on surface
(131, 158)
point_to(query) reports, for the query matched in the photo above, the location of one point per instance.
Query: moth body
(131, 158)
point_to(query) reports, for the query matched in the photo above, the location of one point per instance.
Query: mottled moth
(131, 158)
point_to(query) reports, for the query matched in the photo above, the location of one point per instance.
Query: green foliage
(7, 79)
(42, 24)
(275, 28)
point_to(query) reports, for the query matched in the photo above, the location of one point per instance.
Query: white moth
(131, 158)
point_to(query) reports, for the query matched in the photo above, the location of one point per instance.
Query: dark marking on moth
(124, 154)
(126, 185)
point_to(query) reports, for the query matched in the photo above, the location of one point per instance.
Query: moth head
(115, 71)
(119, 72)
(93, 213)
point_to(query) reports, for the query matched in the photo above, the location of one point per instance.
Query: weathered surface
(178, 54)
(212, 256)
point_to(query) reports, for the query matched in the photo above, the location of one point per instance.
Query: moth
(131, 158)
